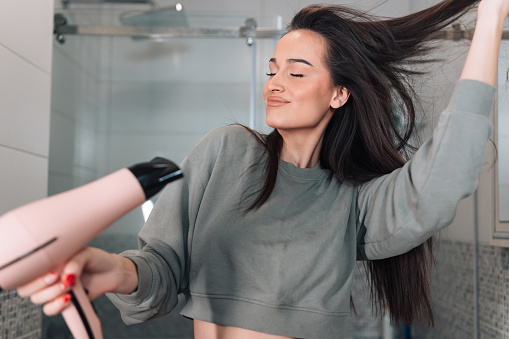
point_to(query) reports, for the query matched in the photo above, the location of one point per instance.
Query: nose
(274, 84)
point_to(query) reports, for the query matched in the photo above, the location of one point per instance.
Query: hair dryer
(41, 236)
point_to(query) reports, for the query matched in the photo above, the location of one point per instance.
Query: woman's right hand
(99, 271)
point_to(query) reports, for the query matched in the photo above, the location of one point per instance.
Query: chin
(275, 120)
(274, 124)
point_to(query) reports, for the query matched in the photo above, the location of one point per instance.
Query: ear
(341, 95)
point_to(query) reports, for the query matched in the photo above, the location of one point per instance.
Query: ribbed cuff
(144, 280)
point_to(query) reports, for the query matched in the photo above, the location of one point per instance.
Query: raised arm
(401, 210)
(482, 59)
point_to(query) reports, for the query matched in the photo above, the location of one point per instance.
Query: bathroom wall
(25, 80)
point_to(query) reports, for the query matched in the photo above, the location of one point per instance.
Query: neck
(301, 148)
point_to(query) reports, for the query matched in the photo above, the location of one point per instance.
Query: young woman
(263, 233)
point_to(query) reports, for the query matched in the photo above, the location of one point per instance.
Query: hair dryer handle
(80, 316)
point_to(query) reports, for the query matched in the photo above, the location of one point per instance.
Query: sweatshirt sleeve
(402, 209)
(164, 241)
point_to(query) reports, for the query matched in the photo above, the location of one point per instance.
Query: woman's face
(299, 93)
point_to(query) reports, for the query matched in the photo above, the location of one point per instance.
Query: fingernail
(68, 281)
(66, 298)
(51, 277)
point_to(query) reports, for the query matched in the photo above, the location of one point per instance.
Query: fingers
(49, 290)
(57, 305)
(54, 291)
(77, 263)
(95, 268)
(37, 284)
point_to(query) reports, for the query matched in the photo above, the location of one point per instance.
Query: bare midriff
(206, 330)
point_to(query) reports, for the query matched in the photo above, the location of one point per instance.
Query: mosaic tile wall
(494, 292)
(175, 326)
(453, 293)
(19, 318)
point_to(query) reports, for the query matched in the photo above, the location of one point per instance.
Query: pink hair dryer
(40, 237)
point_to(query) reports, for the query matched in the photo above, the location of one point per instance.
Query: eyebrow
(291, 61)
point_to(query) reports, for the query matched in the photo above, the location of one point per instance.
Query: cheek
(316, 96)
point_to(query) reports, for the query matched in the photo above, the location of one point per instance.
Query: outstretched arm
(481, 63)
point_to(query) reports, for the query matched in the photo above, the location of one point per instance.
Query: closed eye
(293, 75)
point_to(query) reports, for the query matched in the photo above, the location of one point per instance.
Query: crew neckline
(314, 173)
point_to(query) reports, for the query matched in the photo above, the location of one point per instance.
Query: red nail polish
(66, 298)
(68, 281)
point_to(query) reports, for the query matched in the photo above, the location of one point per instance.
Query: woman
(263, 233)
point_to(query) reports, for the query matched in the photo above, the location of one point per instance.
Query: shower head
(171, 16)
(66, 3)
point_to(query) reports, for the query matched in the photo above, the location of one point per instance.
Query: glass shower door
(117, 101)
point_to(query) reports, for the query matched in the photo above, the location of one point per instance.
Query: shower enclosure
(123, 94)
(131, 82)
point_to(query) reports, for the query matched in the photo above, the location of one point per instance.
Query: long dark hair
(373, 58)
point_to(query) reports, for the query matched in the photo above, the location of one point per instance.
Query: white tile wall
(26, 29)
(25, 54)
(25, 73)
(23, 178)
(24, 104)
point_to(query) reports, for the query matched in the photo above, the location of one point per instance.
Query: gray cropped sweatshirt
(287, 268)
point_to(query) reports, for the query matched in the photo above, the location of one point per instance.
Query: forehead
(301, 44)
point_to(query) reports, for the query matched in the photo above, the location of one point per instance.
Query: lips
(275, 101)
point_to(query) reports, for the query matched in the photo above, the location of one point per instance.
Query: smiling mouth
(276, 102)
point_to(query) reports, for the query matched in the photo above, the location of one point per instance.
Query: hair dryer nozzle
(155, 174)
